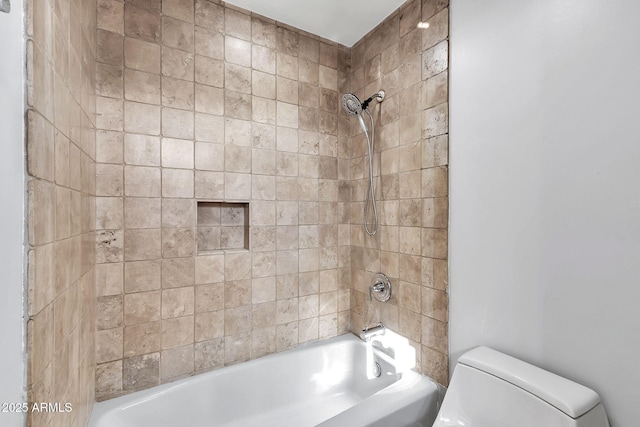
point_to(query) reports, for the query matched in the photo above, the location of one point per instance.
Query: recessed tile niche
(222, 226)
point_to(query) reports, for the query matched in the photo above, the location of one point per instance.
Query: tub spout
(369, 332)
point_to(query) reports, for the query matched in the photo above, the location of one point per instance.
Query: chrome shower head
(351, 104)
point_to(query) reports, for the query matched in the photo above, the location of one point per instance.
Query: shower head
(351, 104)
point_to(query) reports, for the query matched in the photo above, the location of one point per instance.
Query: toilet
(491, 389)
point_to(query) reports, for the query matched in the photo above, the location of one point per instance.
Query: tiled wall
(61, 214)
(411, 65)
(200, 101)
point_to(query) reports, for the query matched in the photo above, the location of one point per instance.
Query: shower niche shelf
(222, 226)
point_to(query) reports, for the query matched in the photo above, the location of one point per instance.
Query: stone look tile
(197, 99)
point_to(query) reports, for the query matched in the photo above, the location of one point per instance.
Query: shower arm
(378, 95)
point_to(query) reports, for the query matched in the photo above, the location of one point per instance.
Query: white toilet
(491, 389)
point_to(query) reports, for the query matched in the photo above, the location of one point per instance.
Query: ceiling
(343, 21)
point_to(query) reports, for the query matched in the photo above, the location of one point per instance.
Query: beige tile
(176, 362)
(177, 183)
(209, 298)
(177, 123)
(109, 278)
(109, 80)
(287, 66)
(308, 330)
(286, 310)
(142, 212)
(238, 105)
(141, 371)
(263, 188)
(263, 84)
(263, 341)
(141, 181)
(237, 24)
(209, 100)
(262, 135)
(177, 272)
(177, 153)
(435, 182)
(237, 348)
(109, 149)
(142, 338)
(308, 306)
(210, 269)
(209, 14)
(109, 113)
(287, 115)
(263, 110)
(142, 244)
(178, 242)
(328, 55)
(209, 185)
(286, 336)
(308, 48)
(109, 311)
(110, 16)
(177, 93)
(141, 87)
(237, 51)
(238, 78)
(237, 186)
(142, 150)
(178, 64)
(109, 345)
(180, 9)
(438, 29)
(141, 307)
(141, 23)
(263, 238)
(263, 33)
(263, 59)
(141, 118)
(177, 332)
(435, 120)
(435, 60)
(287, 40)
(237, 320)
(209, 43)
(434, 243)
(434, 334)
(141, 276)
(209, 325)
(109, 246)
(435, 365)
(177, 34)
(209, 354)
(209, 128)
(209, 71)
(178, 213)
(109, 49)
(141, 55)
(308, 95)
(434, 304)
(109, 377)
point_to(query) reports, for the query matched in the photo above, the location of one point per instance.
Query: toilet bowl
(492, 389)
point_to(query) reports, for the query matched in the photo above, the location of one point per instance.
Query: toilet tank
(491, 389)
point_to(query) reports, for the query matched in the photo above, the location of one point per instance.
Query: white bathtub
(325, 383)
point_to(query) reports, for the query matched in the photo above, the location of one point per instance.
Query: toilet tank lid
(569, 397)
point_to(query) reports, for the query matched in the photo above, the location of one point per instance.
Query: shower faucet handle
(382, 288)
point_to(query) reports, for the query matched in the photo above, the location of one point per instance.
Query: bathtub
(330, 383)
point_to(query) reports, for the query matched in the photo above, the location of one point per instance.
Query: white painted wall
(545, 188)
(12, 370)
